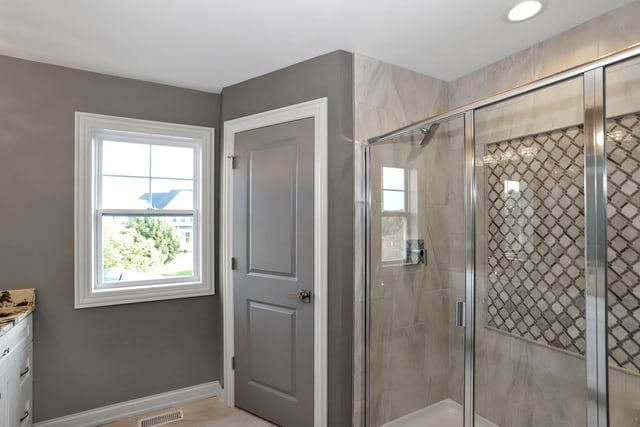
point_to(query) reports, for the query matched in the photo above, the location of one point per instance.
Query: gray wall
(99, 356)
(328, 76)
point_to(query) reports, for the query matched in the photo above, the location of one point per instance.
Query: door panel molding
(278, 381)
(316, 109)
(281, 231)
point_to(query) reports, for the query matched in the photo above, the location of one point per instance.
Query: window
(394, 215)
(141, 187)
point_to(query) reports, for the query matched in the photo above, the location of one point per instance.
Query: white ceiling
(210, 44)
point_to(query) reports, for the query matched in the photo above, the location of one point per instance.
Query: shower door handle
(460, 309)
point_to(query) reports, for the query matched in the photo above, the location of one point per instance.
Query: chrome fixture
(428, 133)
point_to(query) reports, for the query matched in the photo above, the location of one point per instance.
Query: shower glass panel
(416, 255)
(530, 368)
(623, 241)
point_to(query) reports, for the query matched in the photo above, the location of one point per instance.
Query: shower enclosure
(503, 258)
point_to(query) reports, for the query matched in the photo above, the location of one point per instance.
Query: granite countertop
(15, 305)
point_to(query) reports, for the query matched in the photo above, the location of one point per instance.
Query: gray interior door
(273, 251)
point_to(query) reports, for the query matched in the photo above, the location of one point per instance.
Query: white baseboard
(131, 408)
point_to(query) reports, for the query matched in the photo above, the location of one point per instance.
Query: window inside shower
(394, 215)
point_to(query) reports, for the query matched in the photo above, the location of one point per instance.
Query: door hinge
(233, 161)
(233, 263)
(233, 362)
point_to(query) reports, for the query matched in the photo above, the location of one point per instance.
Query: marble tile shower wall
(623, 99)
(603, 35)
(541, 383)
(512, 370)
(412, 353)
(536, 242)
(623, 170)
(536, 379)
(410, 358)
(518, 383)
(535, 247)
(387, 97)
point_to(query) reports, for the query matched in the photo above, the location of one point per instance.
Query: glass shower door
(622, 148)
(417, 273)
(530, 369)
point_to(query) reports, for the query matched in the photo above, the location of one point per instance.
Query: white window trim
(86, 125)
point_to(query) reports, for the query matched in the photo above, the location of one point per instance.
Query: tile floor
(203, 413)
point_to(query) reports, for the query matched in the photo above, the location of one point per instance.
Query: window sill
(99, 298)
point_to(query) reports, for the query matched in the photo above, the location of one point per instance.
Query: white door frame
(316, 109)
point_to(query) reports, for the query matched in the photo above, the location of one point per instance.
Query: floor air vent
(162, 419)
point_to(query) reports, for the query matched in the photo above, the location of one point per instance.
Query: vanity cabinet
(16, 381)
(4, 394)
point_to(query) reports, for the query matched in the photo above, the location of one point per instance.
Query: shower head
(416, 148)
(428, 133)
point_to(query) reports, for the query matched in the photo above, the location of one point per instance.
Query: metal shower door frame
(595, 185)
(470, 204)
(595, 189)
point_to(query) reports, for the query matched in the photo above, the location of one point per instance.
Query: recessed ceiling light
(524, 10)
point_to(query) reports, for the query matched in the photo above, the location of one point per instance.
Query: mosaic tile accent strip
(623, 230)
(535, 207)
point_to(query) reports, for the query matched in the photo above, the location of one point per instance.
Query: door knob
(304, 296)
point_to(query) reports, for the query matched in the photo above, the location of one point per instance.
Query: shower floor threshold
(446, 413)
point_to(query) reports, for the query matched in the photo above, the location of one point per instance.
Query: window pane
(393, 238)
(124, 158)
(171, 194)
(392, 178)
(172, 162)
(136, 248)
(393, 200)
(125, 193)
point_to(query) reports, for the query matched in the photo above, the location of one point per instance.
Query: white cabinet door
(5, 376)
(16, 382)
(21, 386)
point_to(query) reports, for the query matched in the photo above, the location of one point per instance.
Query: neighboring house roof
(161, 200)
